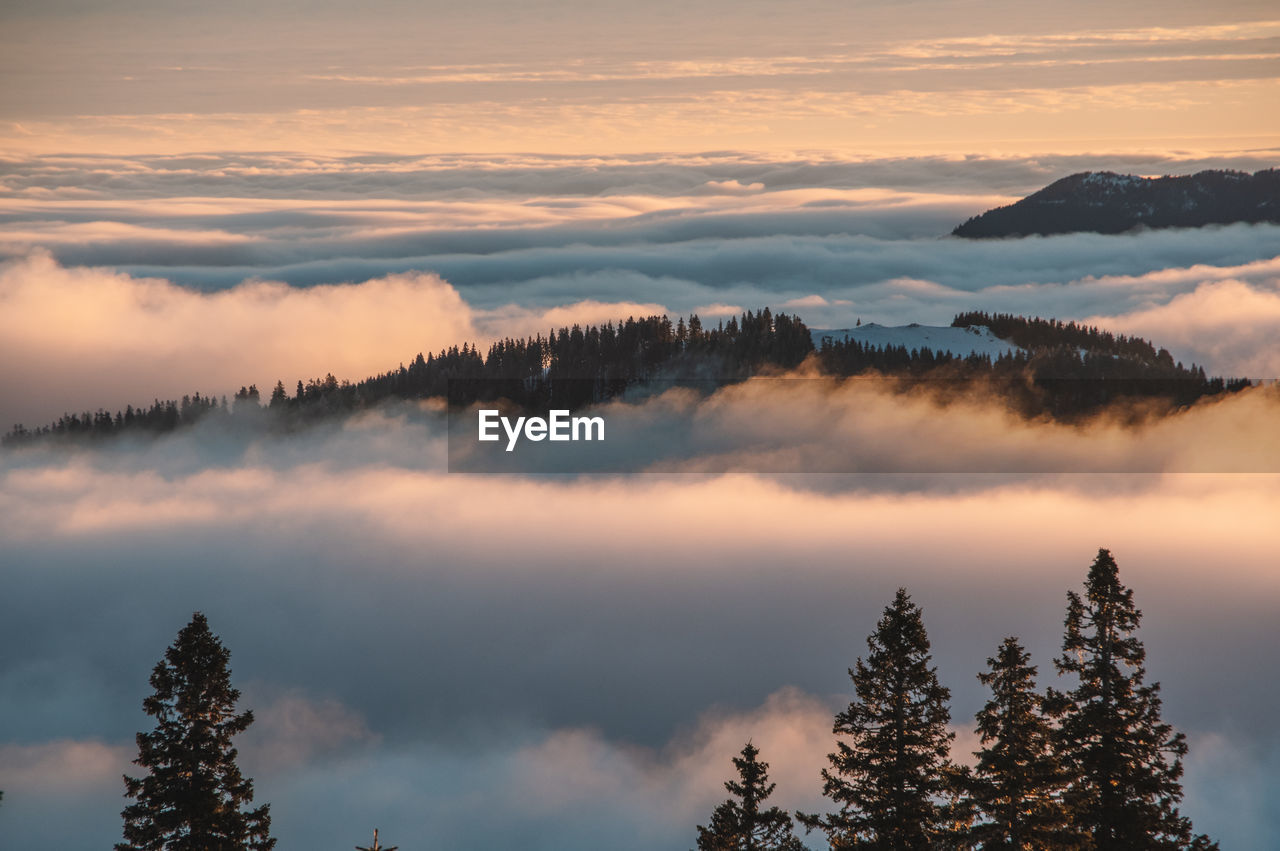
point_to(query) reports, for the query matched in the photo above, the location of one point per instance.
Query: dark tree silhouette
(192, 797)
(570, 368)
(1015, 790)
(1125, 761)
(892, 778)
(739, 824)
(1067, 372)
(279, 396)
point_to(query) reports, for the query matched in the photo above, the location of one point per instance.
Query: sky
(611, 77)
(196, 197)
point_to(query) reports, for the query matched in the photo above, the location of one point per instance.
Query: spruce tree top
(1111, 614)
(1126, 760)
(892, 775)
(192, 795)
(740, 824)
(194, 682)
(753, 786)
(1014, 792)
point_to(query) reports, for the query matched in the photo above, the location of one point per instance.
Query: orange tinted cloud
(75, 339)
(1100, 115)
(1228, 323)
(91, 337)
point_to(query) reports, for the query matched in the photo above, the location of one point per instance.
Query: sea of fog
(476, 661)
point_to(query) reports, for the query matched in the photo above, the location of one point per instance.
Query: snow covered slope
(961, 342)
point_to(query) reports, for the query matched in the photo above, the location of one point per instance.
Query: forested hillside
(1106, 202)
(1065, 371)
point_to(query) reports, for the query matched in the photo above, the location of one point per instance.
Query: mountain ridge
(1109, 203)
(1041, 367)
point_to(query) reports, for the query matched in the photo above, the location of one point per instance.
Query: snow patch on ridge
(961, 342)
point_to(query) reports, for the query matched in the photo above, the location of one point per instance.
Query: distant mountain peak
(1107, 202)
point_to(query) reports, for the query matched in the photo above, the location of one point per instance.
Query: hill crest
(1109, 203)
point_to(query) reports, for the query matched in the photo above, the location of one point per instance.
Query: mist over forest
(420, 647)
(270, 236)
(259, 262)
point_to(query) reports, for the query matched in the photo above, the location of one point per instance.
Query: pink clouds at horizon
(75, 339)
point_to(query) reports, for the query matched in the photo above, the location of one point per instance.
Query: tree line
(577, 364)
(1091, 768)
(1065, 371)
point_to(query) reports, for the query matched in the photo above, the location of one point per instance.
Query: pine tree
(192, 796)
(1125, 761)
(279, 395)
(1015, 789)
(893, 777)
(740, 825)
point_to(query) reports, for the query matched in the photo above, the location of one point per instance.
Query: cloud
(868, 258)
(513, 321)
(88, 338)
(64, 792)
(292, 730)
(1230, 325)
(561, 788)
(422, 646)
(1219, 770)
(961, 109)
(578, 769)
(179, 184)
(79, 339)
(62, 766)
(731, 187)
(538, 233)
(751, 79)
(719, 309)
(804, 424)
(833, 239)
(476, 661)
(814, 300)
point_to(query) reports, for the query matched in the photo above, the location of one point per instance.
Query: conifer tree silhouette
(192, 797)
(892, 778)
(739, 824)
(1014, 792)
(1125, 761)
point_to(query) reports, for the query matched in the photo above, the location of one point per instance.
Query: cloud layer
(421, 645)
(389, 256)
(103, 337)
(462, 660)
(77, 339)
